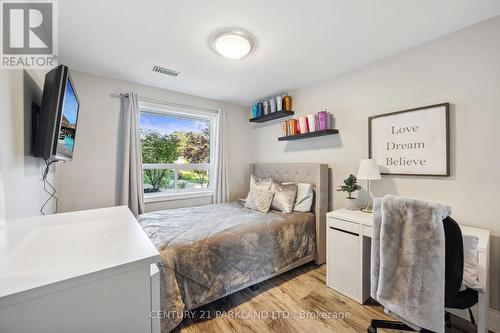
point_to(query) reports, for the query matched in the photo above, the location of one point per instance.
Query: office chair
(454, 269)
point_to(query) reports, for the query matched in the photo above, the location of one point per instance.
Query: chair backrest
(454, 259)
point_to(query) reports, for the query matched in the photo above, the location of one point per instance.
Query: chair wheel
(372, 330)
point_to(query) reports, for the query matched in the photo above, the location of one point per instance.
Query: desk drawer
(342, 225)
(367, 231)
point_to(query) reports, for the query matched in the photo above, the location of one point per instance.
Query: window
(177, 150)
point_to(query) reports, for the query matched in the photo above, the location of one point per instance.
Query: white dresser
(88, 271)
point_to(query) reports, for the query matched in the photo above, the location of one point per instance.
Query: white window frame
(167, 110)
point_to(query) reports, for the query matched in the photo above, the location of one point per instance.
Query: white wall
(463, 69)
(91, 180)
(23, 189)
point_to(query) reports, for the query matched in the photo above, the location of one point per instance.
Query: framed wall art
(411, 142)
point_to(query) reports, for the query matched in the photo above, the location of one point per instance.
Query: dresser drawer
(155, 298)
(342, 225)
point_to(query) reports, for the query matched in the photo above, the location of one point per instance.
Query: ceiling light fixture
(233, 44)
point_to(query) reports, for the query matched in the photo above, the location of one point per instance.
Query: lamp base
(369, 203)
(369, 206)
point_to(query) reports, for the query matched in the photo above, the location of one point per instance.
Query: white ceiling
(298, 42)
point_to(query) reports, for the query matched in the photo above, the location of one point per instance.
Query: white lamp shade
(368, 170)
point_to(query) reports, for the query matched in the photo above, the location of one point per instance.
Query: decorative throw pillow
(264, 183)
(305, 196)
(259, 199)
(284, 196)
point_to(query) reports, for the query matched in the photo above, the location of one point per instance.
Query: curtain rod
(182, 106)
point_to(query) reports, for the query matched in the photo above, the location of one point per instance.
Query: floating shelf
(308, 135)
(271, 116)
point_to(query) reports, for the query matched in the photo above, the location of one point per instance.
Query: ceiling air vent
(165, 71)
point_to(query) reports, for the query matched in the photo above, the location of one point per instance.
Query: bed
(209, 252)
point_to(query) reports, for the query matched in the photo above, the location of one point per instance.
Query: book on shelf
(312, 122)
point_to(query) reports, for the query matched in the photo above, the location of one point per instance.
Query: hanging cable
(48, 188)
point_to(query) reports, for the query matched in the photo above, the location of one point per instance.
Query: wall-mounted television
(58, 117)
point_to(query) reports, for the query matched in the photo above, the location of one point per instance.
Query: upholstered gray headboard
(316, 174)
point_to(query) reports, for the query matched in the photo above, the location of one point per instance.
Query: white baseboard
(493, 317)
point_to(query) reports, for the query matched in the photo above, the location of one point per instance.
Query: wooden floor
(296, 301)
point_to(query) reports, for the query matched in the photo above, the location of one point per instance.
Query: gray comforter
(208, 252)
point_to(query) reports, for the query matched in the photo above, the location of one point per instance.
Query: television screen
(56, 120)
(67, 129)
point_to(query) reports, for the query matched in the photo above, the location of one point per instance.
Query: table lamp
(368, 170)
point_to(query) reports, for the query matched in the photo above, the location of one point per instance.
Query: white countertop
(46, 253)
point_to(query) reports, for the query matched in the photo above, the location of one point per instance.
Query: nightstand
(348, 253)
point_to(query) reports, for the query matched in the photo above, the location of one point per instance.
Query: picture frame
(413, 142)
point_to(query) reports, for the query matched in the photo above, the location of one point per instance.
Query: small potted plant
(350, 186)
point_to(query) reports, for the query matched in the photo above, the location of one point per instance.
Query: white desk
(348, 257)
(88, 271)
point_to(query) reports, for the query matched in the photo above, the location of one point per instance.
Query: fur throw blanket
(408, 260)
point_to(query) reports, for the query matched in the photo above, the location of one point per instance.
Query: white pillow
(305, 196)
(471, 257)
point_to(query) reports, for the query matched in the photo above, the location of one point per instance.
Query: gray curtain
(221, 167)
(132, 193)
